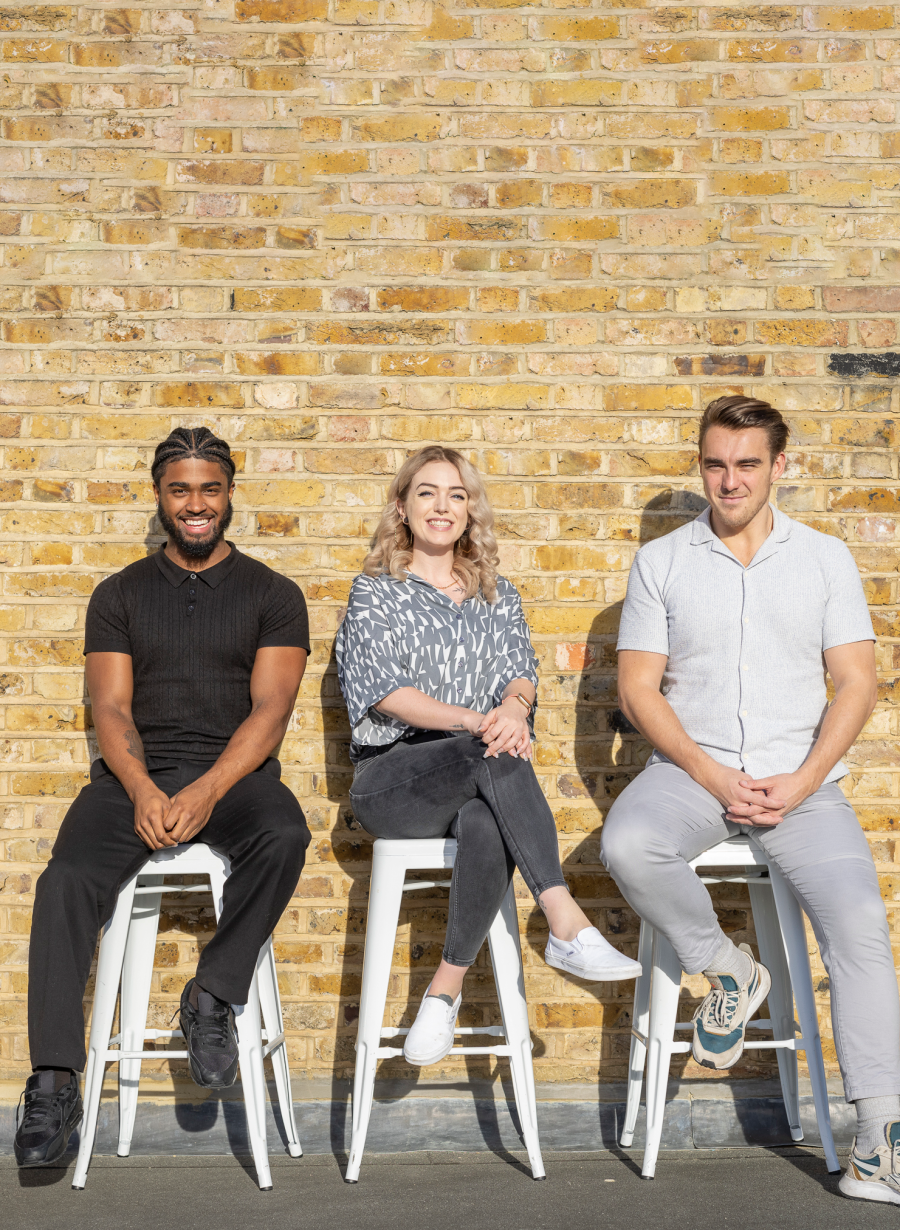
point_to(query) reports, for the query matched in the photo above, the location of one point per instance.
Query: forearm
(121, 747)
(846, 716)
(416, 709)
(652, 715)
(252, 743)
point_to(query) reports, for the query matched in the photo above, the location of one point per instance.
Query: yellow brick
(547, 236)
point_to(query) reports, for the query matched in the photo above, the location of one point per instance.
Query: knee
(64, 876)
(282, 834)
(624, 843)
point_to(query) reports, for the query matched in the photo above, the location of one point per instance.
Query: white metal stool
(783, 951)
(126, 955)
(390, 863)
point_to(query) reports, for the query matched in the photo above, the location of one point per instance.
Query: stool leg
(109, 969)
(270, 1001)
(250, 1059)
(790, 917)
(640, 1019)
(381, 930)
(506, 959)
(137, 975)
(253, 1082)
(781, 998)
(664, 990)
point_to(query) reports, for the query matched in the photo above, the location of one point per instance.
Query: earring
(405, 520)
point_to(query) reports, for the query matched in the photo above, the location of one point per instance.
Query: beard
(196, 548)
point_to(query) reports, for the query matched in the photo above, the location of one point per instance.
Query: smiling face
(738, 471)
(436, 505)
(194, 505)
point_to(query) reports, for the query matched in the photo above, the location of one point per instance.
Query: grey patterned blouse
(407, 634)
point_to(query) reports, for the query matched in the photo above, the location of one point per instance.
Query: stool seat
(125, 971)
(390, 862)
(783, 950)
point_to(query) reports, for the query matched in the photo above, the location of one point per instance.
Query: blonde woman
(437, 669)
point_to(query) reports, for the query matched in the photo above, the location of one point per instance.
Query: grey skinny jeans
(664, 818)
(494, 808)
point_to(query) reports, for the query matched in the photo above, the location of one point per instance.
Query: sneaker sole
(762, 991)
(58, 1149)
(422, 1061)
(867, 1189)
(615, 974)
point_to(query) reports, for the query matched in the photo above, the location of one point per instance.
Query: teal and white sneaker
(721, 1019)
(876, 1177)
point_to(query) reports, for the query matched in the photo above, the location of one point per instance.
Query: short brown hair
(738, 412)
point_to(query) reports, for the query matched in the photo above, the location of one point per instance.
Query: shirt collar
(210, 576)
(434, 592)
(701, 531)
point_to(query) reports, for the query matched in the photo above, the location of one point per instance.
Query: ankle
(731, 960)
(564, 917)
(872, 1117)
(61, 1076)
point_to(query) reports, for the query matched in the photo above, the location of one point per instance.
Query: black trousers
(494, 808)
(258, 825)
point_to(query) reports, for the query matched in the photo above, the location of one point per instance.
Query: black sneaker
(211, 1039)
(46, 1119)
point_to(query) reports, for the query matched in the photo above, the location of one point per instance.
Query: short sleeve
(368, 663)
(847, 617)
(644, 624)
(520, 660)
(283, 618)
(106, 623)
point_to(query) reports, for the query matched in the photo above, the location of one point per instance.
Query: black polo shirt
(193, 637)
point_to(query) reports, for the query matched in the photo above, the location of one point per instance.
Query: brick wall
(334, 230)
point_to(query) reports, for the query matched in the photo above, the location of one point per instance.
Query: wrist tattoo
(135, 747)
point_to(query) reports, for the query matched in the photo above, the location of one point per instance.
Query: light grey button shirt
(745, 673)
(408, 634)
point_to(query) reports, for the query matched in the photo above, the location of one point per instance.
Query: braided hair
(186, 442)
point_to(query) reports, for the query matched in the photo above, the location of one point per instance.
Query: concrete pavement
(747, 1189)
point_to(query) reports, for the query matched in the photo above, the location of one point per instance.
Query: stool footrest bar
(493, 1031)
(115, 1056)
(389, 1052)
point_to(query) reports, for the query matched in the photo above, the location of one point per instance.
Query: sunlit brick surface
(335, 230)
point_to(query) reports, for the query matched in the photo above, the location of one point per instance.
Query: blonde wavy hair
(475, 558)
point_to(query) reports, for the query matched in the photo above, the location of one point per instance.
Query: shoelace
(214, 1029)
(720, 1007)
(38, 1109)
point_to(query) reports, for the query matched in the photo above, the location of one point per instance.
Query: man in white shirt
(728, 628)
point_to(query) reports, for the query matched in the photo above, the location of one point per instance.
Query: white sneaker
(876, 1177)
(589, 956)
(431, 1038)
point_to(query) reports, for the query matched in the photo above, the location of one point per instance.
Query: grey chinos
(664, 818)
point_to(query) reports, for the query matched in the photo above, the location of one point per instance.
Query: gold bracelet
(528, 705)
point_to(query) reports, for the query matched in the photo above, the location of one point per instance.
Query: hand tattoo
(135, 747)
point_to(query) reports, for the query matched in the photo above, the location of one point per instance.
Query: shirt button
(193, 576)
(746, 619)
(746, 668)
(743, 713)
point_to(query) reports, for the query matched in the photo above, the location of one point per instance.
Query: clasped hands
(504, 729)
(763, 802)
(161, 822)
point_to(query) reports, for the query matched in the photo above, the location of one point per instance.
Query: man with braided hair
(194, 659)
